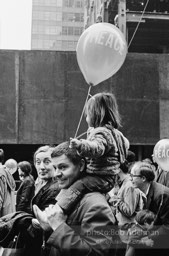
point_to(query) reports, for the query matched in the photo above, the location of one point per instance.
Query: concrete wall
(42, 94)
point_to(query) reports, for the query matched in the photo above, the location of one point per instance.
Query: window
(68, 16)
(70, 31)
(52, 30)
(71, 45)
(79, 17)
(68, 3)
(77, 31)
(73, 17)
(50, 3)
(78, 3)
(57, 45)
(44, 15)
(38, 29)
(64, 31)
(68, 45)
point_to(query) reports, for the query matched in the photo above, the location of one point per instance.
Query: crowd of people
(91, 196)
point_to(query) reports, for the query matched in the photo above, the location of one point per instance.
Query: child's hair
(145, 216)
(102, 109)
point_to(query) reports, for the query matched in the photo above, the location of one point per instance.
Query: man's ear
(144, 178)
(82, 165)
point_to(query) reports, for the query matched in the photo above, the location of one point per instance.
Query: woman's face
(44, 165)
(21, 174)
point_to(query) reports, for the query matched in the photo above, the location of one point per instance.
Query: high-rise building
(56, 24)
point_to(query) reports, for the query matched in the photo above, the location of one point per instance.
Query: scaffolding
(137, 19)
(126, 16)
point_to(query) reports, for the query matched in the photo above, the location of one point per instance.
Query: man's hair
(131, 157)
(145, 216)
(45, 148)
(145, 170)
(1, 156)
(25, 167)
(147, 160)
(70, 153)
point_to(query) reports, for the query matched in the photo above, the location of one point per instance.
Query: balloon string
(83, 111)
(138, 23)
(79, 136)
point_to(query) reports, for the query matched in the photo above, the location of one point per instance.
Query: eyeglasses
(21, 175)
(133, 175)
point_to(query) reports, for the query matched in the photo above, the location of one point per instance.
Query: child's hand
(74, 143)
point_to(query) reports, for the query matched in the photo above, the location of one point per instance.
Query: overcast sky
(15, 24)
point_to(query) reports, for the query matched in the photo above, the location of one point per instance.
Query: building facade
(56, 24)
(145, 24)
(93, 12)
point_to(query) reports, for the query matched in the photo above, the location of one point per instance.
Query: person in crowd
(11, 165)
(131, 158)
(149, 161)
(126, 203)
(46, 191)
(129, 199)
(137, 232)
(26, 189)
(31, 234)
(161, 176)
(126, 166)
(143, 175)
(104, 149)
(88, 229)
(47, 187)
(7, 188)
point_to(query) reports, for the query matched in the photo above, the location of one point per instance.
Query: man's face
(44, 165)
(136, 178)
(66, 171)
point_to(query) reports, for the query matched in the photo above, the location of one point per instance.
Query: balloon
(101, 51)
(161, 154)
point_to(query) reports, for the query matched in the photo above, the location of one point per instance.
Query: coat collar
(150, 195)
